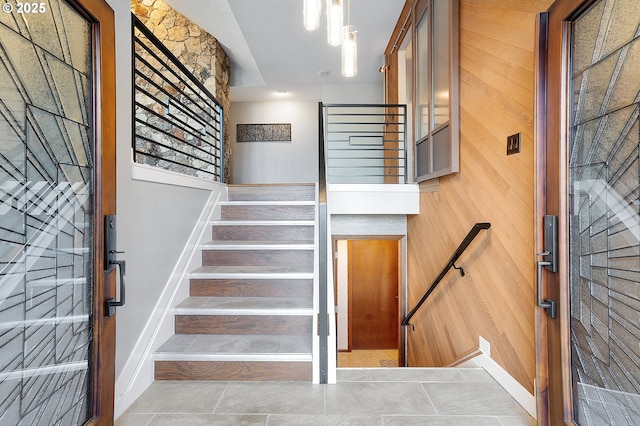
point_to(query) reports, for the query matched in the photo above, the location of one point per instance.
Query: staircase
(249, 314)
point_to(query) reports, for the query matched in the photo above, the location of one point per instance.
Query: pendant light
(349, 52)
(335, 21)
(311, 13)
(349, 47)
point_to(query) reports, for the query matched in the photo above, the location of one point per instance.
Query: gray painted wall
(154, 220)
(281, 162)
(276, 162)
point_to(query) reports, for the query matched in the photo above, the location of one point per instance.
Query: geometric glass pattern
(46, 215)
(604, 219)
(178, 122)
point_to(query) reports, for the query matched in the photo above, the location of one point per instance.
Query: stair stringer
(138, 372)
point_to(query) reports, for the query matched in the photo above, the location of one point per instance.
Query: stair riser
(299, 258)
(229, 370)
(251, 288)
(272, 193)
(247, 212)
(242, 324)
(263, 233)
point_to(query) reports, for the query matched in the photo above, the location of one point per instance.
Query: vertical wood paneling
(495, 299)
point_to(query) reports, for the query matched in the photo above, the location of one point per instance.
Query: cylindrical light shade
(311, 11)
(335, 19)
(349, 52)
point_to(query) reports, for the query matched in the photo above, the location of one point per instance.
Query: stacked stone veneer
(198, 50)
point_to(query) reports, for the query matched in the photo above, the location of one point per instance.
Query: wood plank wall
(495, 299)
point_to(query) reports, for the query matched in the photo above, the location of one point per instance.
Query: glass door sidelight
(53, 159)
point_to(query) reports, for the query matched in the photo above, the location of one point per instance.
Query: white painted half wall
(276, 162)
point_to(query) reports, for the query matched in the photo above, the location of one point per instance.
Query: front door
(588, 136)
(57, 182)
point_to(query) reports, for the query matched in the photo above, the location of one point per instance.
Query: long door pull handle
(111, 304)
(550, 306)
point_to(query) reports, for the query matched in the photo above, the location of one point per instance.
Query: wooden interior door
(57, 177)
(373, 294)
(588, 92)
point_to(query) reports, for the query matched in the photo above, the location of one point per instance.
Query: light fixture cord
(348, 13)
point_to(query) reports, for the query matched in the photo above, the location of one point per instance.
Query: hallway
(462, 396)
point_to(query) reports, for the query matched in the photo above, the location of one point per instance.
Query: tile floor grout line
(429, 398)
(151, 419)
(220, 398)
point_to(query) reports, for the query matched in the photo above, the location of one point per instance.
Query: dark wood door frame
(553, 355)
(101, 16)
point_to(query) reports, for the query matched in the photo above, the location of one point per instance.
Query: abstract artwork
(264, 133)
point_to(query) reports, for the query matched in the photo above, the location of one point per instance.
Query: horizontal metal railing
(366, 143)
(178, 123)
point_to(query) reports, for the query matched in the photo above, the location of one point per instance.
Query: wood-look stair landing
(249, 314)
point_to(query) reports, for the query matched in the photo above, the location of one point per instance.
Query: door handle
(111, 303)
(550, 306)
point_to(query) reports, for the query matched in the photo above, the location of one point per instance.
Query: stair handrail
(323, 304)
(475, 230)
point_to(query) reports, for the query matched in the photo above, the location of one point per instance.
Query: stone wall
(198, 50)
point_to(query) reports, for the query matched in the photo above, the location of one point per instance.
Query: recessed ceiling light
(282, 93)
(324, 73)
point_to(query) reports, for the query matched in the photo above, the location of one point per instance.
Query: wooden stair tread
(251, 272)
(203, 347)
(253, 231)
(258, 245)
(267, 203)
(239, 287)
(272, 192)
(251, 305)
(234, 370)
(267, 210)
(290, 222)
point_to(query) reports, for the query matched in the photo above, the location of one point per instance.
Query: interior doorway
(368, 283)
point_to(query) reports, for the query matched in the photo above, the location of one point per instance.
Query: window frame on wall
(436, 141)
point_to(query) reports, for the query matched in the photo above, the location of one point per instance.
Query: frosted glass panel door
(604, 224)
(46, 214)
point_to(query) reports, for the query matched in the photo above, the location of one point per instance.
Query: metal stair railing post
(323, 323)
(450, 264)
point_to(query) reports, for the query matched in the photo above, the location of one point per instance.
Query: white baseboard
(511, 385)
(137, 373)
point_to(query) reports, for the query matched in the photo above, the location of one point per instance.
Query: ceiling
(271, 51)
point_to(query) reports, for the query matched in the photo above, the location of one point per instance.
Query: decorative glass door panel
(604, 220)
(46, 214)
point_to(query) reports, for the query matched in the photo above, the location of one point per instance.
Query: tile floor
(361, 397)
